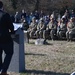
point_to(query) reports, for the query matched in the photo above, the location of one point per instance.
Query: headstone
(18, 60)
(39, 41)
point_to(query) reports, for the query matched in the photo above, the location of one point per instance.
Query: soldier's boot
(44, 34)
(70, 36)
(37, 34)
(41, 34)
(52, 35)
(67, 36)
(60, 35)
(31, 34)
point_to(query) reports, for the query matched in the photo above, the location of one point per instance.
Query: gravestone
(39, 41)
(18, 60)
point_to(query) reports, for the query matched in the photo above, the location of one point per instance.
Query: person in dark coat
(6, 42)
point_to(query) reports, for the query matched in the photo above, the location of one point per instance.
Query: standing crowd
(52, 26)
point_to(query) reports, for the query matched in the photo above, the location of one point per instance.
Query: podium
(18, 59)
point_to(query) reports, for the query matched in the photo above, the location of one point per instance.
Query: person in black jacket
(6, 42)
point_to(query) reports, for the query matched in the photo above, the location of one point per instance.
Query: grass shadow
(45, 43)
(41, 72)
(35, 54)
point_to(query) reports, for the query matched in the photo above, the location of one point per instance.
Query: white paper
(17, 25)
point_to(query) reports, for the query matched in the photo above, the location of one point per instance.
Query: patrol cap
(33, 18)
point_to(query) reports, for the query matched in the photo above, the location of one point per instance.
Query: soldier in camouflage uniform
(32, 28)
(70, 29)
(51, 29)
(61, 32)
(40, 29)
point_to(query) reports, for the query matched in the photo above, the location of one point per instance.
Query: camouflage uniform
(70, 30)
(62, 30)
(32, 28)
(40, 29)
(51, 30)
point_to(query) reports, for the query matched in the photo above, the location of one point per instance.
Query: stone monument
(18, 60)
(39, 41)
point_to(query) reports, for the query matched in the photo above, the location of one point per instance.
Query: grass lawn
(56, 58)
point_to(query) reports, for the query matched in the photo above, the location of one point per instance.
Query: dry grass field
(55, 58)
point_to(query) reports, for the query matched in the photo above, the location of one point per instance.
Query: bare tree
(46, 5)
